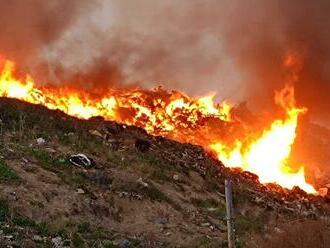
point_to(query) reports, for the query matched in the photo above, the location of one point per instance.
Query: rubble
(57, 242)
(96, 133)
(142, 145)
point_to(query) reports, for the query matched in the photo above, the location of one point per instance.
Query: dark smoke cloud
(27, 25)
(234, 47)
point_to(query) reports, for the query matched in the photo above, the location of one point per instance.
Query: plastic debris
(81, 160)
(41, 141)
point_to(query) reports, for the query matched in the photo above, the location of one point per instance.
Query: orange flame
(172, 114)
(267, 156)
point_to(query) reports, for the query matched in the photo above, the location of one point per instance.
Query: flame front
(172, 114)
(267, 156)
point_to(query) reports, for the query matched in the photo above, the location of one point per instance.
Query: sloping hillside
(140, 191)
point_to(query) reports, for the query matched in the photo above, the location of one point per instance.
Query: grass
(59, 165)
(311, 233)
(4, 210)
(77, 241)
(6, 173)
(206, 204)
(245, 225)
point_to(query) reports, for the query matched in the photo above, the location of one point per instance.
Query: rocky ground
(140, 191)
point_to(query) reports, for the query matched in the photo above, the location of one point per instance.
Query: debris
(130, 195)
(57, 242)
(144, 184)
(81, 160)
(80, 191)
(323, 192)
(124, 243)
(142, 145)
(50, 150)
(37, 238)
(41, 141)
(176, 177)
(9, 237)
(96, 133)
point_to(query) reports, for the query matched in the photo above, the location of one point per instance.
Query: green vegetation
(248, 224)
(4, 210)
(6, 173)
(218, 210)
(59, 165)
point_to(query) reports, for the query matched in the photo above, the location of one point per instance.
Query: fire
(174, 115)
(267, 156)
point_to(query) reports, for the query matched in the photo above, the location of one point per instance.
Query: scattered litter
(124, 243)
(96, 133)
(144, 184)
(41, 141)
(37, 238)
(57, 242)
(81, 160)
(176, 177)
(9, 237)
(130, 195)
(50, 150)
(80, 191)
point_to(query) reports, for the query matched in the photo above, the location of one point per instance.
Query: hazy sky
(234, 47)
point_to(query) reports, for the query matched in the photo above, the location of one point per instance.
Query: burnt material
(142, 145)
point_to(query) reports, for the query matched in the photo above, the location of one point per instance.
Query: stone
(37, 238)
(41, 141)
(80, 191)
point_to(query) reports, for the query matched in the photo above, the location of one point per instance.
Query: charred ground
(143, 191)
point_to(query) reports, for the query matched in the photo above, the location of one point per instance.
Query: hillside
(140, 190)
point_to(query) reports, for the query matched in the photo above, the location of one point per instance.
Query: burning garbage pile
(263, 148)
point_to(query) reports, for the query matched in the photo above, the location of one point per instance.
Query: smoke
(233, 47)
(28, 25)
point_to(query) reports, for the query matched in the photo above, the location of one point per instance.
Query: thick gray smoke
(234, 47)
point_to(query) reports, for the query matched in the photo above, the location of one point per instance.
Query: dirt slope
(141, 191)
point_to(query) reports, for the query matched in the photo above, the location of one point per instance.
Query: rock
(41, 141)
(96, 133)
(144, 184)
(80, 191)
(57, 242)
(176, 177)
(124, 243)
(50, 150)
(37, 238)
(142, 145)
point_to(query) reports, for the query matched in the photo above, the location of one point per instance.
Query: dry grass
(308, 234)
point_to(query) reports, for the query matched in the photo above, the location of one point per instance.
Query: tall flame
(172, 114)
(267, 156)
